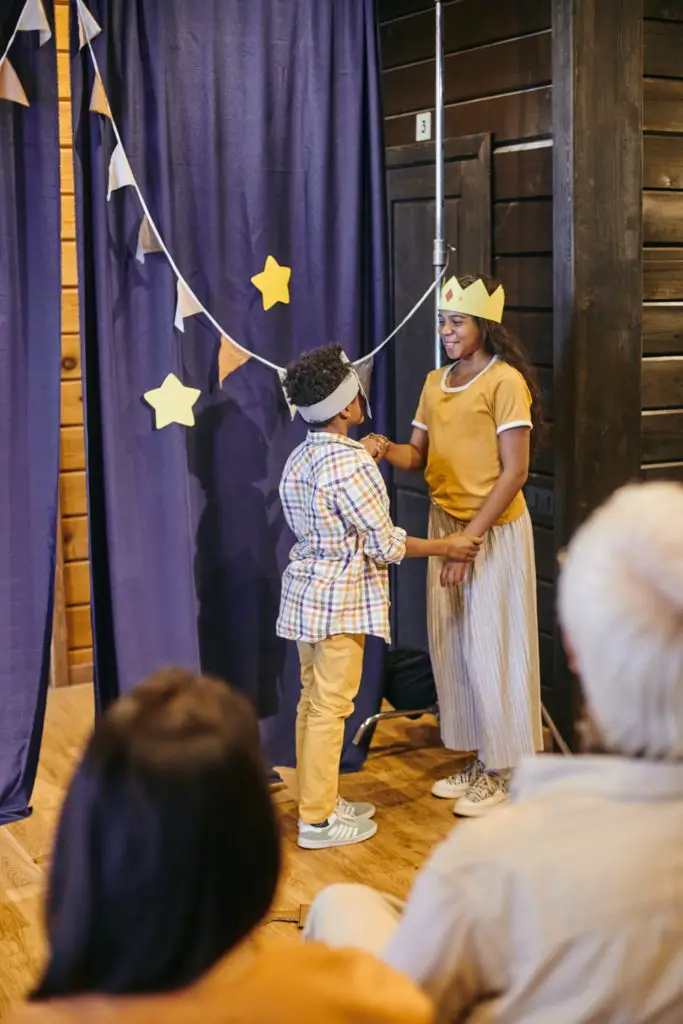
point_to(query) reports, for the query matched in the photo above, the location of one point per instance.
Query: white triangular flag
(292, 408)
(363, 369)
(34, 19)
(187, 305)
(10, 86)
(99, 104)
(120, 173)
(147, 241)
(87, 26)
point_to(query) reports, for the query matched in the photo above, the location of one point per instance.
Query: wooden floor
(404, 759)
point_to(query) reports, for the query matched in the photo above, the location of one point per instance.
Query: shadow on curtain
(253, 129)
(29, 405)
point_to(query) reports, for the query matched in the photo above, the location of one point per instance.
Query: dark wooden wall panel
(536, 330)
(663, 275)
(467, 23)
(662, 369)
(665, 471)
(662, 53)
(662, 330)
(528, 280)
(662, 218)
(546, 564)
(523, 227)
(508, 118)
(663, 382)
(662, 436)
(663, 161)
(524, 173)
(663, 105)
(517, 64)
(666, 10)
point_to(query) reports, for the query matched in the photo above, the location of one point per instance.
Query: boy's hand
(454, 573)
(461, 547)
(376, 446)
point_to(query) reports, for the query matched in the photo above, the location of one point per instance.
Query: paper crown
(473, 300)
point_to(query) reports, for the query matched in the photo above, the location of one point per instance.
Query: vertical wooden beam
(597, 225)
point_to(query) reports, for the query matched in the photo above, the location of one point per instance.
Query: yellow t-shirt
(463, 462)
(262, 983)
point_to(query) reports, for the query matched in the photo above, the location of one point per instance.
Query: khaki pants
(331, 672)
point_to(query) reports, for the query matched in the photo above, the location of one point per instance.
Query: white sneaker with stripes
(489, 791)
(337, 832)
(358, 811)
(457, 784)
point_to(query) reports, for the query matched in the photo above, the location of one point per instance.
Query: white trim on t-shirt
(420, 426)
(517, 423)
(464, 387)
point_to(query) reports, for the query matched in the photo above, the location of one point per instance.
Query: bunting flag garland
(230, 358)
(273, 283)
(88, 28)
(34, 19)
(99, 104)
(148, 241)
(282, 373)
(188, 305)
(172, 402)
(10, 87)
(364, 370)
(120, 173)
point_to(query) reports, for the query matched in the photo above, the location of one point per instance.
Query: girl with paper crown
(472, 437)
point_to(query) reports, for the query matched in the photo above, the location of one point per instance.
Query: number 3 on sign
(423, 126)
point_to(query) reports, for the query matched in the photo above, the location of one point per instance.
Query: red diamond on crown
(449, 295)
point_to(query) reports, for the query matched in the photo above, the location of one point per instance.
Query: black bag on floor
(409, 681)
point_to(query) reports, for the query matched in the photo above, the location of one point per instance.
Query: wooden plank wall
(497, 80)
(73, 509)
(662, 383)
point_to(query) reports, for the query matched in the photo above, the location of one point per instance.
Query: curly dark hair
(315, 375)
(501, 342)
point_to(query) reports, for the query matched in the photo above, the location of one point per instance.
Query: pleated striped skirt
(483, 639)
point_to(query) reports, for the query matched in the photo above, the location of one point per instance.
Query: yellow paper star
(172, 402)
(273, 282)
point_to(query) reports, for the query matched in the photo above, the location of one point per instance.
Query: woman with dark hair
(472, 437)
(167, 858)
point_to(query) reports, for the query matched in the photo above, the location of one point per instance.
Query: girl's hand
(376, 446)
(454, 573)
(460, 547)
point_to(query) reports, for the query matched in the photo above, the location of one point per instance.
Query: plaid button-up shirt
(337, 506)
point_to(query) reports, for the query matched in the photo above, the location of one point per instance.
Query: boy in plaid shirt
(335, 588)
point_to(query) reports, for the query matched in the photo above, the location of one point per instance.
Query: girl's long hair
(499, 341)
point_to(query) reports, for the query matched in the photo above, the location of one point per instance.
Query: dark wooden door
(467, 193)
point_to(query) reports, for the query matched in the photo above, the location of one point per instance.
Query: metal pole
(439, 258)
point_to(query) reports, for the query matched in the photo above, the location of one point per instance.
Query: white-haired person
(473, 433)
(567, 906)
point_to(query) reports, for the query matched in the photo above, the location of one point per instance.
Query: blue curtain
(29, 405)
(253, 129)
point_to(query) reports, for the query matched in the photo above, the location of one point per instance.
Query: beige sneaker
(488, 792)
(337, 832)
(456, 785)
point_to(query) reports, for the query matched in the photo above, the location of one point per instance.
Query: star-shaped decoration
(273, 282)
(172, 402)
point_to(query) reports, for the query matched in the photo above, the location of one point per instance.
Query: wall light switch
(423, 126)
